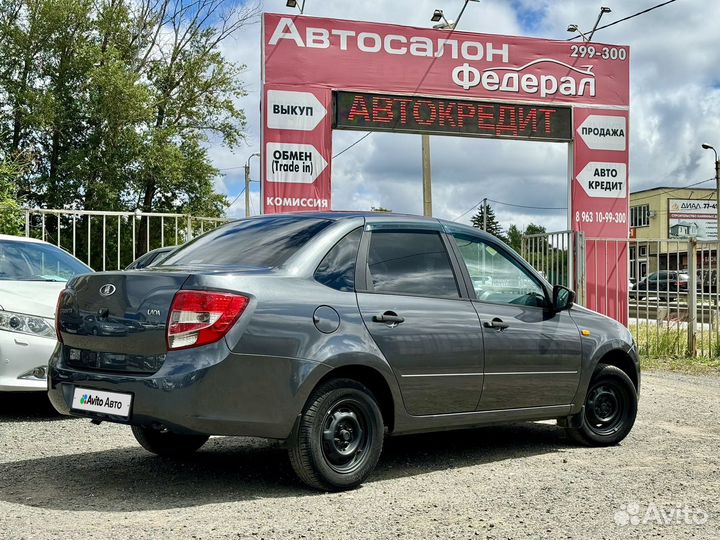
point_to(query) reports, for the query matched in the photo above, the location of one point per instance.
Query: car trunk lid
(118, 314)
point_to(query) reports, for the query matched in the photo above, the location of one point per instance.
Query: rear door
(420, 317)
(532, 354)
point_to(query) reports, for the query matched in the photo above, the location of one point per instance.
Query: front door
(412, 306)
(532, 354)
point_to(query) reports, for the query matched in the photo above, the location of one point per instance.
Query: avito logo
(88, 399)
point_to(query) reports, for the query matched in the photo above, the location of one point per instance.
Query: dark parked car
(664, 284)
(329, 331)
(151, 258)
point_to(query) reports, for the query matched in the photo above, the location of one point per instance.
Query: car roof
(345, 214)
(12, 238)
(337, 215)
(162, 249)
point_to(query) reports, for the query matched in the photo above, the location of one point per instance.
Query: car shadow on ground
(233, 468)
(26, 407)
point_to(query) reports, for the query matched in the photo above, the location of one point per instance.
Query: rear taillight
(202, 317)
(58, 311)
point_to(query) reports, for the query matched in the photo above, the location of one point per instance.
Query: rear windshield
(261, 242)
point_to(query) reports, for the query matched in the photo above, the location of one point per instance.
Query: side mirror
(563, 298)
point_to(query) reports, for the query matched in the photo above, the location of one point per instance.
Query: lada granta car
(331, 331)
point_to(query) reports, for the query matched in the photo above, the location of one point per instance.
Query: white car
(32, 274)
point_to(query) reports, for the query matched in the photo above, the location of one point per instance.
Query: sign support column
(427, 175)
(599, 206)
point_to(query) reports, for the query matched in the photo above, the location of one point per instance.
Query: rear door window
(410, 262)
(337, 269)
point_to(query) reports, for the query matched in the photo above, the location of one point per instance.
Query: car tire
(610, 409)
(167, 443)
(338, 438)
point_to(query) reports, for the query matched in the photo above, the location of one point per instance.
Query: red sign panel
(600, 176)
(308, 56)
(389, 58)
(298, 147)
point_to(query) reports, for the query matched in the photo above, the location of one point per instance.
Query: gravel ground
(66, 478)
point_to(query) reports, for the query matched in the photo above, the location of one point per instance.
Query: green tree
(492, 225)
(11, 216)
(537, 245)
(514, 238)
(534, 229)
(115, 100)
(379, 209)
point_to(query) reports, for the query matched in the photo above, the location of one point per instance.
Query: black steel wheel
(166, 443)
(610, 408)
(338, 439)
(345, 436)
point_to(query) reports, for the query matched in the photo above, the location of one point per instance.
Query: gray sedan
(332, 330)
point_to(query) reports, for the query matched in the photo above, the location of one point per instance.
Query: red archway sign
(322, 74)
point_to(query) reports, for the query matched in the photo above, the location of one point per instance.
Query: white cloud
(675, 105)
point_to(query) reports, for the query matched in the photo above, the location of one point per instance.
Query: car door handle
(496, 323)
(389, 317)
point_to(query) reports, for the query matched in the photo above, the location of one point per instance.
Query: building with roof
(662, 221)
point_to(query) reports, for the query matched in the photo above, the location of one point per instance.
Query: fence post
(189, 228)
(580, 282)
(571, 262)
(692, 296)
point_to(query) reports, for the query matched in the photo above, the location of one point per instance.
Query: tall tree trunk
(17, 114)
(150, 183)
(54, 159)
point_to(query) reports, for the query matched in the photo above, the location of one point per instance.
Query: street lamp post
(717, 217)
(588, 38)
(293, 3)
(437, 16)
(247, 184)
(717, 188)
(603, 11)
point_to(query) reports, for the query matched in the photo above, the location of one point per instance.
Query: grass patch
(691, 365)
(658, 341)
(664, 348)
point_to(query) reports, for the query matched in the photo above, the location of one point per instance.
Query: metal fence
(665, 289)
(675, 301)
(555, 256)
(112, 240)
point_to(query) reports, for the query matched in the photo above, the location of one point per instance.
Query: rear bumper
(208, 390)
(19, 355)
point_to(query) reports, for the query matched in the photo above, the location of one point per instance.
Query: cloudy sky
(675, 106)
